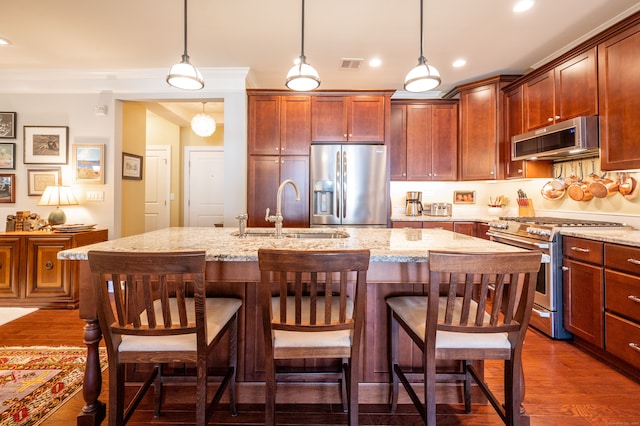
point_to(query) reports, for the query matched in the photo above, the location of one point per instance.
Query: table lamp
(57, 196)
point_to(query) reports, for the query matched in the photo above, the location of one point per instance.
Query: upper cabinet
(279, 125)
(423, 143)
(568, 90)
(619, 86)
(353, 118)
(482, 132)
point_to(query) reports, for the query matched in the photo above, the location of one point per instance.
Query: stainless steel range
(543, 233)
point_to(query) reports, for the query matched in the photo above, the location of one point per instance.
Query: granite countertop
(386, 244)
(628, 237)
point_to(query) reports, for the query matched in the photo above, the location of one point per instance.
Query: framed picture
(46, 145)
(7, 125)
(131, 166)
(7, 188)
(88, 161)
(464, 197)
(39, 179)
(7, 155)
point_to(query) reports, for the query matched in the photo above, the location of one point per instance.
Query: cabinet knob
(404, 174)
(557, 117)
(550, 119)
(48, 266)
(344, 136)
(519, 171)
(277, 148)
(565, 268)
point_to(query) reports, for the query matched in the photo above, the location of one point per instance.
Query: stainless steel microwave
(578, 137)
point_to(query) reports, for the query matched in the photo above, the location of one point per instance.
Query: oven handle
(505, 240)
(542, 314)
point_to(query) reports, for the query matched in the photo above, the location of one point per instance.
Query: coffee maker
(414, 203)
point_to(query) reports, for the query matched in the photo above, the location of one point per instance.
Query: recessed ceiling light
(4, 42)
(375, 62)
(459, 63)
(523, 5)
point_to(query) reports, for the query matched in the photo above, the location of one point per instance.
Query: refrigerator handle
(337, 187)
(344, 184)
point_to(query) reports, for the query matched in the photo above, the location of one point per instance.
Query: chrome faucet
(242, 224)
(278, 218)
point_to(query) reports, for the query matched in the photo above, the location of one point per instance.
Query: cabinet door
(263, 181)
(296, 213)
(366, 119)
(539, 102)
(479, 132)
(406, 224)
(619, 84)
(264, 125)
(448, 226)
(398, 143)
(46, 275)
(576, 87)
(467, 228)
(419, 152)
(9, 268)
(583, 292)
(444, 142)
(295, 125)
(329, 118)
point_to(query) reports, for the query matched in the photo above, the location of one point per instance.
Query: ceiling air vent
(350, 63)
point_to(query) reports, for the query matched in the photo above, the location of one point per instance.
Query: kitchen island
(398, 265)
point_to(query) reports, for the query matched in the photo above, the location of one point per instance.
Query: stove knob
(545, 233)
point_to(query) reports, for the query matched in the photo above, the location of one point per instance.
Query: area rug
(35, 381)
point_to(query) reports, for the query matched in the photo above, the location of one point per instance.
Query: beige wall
(134, 125)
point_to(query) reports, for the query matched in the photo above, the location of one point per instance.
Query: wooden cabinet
(514, 122)
(583, 289)
(357, 118)
(619, 84)
(30, 273)
(467, 228)
(568, 90)
(622, 303)
(279, 125)
(423, 141)
(481, 230)
(266, 172)
(481, 128)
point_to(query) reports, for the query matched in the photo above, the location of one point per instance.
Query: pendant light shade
(203, 124)
(302, 76)
(423, 77)
(184, 75)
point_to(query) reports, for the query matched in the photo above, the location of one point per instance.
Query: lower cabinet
(467, 228)
(30, 273)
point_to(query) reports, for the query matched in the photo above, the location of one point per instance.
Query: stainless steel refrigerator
(348, 185)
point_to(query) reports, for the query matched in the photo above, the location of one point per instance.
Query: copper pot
(579, 191)
(628, 186)
(603, 187)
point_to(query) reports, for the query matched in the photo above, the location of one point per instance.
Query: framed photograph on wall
(46, 145)
(464, 197)
(131, 166)
(7, 125)
(7, 155)
(7, 188)
(39, 179)
(88, 162)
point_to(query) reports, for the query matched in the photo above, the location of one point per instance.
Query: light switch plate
(95, 195)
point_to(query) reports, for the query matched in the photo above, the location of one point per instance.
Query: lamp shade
(302, 77)
(422, 78)
(57, 196)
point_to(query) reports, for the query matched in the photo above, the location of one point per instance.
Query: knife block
(526, 208)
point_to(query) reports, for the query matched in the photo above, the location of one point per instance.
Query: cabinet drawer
(622, 258)
(623, 294)
(623, 339)
(581, 249)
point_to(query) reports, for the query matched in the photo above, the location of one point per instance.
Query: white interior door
(204, 186)
(157, 193)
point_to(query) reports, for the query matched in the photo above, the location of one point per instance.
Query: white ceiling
(264, 35)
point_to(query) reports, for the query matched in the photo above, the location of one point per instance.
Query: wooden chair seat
(481, 311)
(158, 314)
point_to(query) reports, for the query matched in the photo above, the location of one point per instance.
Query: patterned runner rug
(35, 381)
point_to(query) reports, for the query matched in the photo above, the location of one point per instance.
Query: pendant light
(423, 77)
(302, 76)
(183, 75)
(203, 124)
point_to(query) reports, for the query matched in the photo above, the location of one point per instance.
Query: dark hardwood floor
(564, 386)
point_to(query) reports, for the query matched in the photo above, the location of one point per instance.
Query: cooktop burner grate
(556, 221)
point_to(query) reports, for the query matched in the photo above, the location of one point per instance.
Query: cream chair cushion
(296, 339)
(219, 311)
(413, 311)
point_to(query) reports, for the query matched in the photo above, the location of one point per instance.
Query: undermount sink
(324, 235)
(302, 234)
